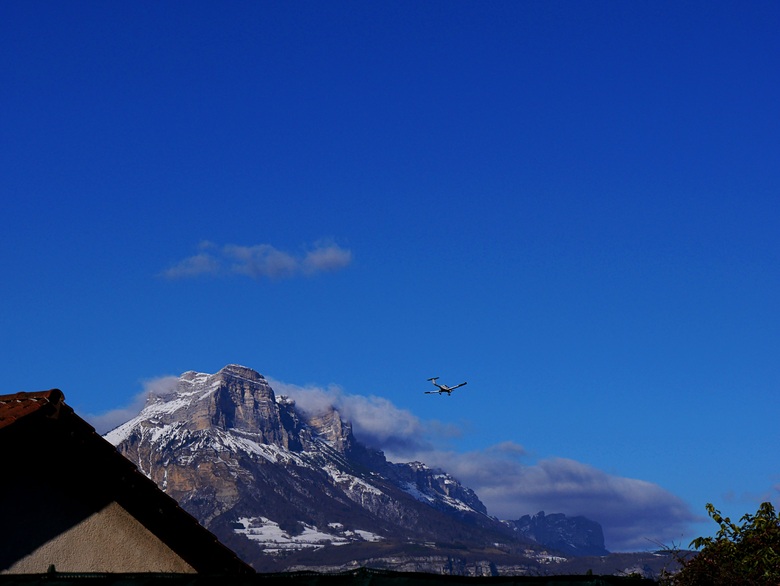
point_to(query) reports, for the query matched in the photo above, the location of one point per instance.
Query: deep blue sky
(572, 205)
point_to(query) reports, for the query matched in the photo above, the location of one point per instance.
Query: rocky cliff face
(283, 488)
(575, 536)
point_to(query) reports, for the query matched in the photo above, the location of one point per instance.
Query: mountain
(290, 490)
(576, 536)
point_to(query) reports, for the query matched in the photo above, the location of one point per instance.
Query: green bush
(747, 554)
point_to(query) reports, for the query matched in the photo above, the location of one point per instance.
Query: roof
(40, 433)
(15, 407)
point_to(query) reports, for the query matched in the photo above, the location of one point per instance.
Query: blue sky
(572, 205)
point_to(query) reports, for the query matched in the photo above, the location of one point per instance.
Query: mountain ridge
(282, 486)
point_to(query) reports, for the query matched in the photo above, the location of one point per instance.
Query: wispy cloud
(260, 261)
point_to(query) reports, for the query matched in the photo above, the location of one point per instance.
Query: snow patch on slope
(274, 540)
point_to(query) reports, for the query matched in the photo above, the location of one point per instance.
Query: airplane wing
(432, 392)
(456, 386)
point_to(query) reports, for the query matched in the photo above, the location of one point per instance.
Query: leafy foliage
(747, 554)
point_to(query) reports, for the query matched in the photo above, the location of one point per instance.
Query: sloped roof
(15, 407)
(40, 431)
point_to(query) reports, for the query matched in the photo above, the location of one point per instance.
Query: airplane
(442, 388)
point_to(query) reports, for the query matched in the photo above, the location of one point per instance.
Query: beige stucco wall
(110, 540)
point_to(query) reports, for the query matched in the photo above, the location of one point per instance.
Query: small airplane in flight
(442, 388)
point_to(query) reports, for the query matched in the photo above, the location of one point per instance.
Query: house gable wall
(109, 540)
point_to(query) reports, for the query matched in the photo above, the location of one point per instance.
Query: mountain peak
(241, 372)
(235, 397)
(242, 459)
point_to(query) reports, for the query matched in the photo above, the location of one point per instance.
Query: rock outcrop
(577, 536)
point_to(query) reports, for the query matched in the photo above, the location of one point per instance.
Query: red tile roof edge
(22, 404)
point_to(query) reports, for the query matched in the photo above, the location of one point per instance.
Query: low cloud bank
(260, 261)
(636, 515)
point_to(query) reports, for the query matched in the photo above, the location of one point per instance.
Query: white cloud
(326, 258)
(260, 261)
(193, 266)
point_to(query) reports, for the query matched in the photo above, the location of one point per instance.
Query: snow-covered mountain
(288, 490)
